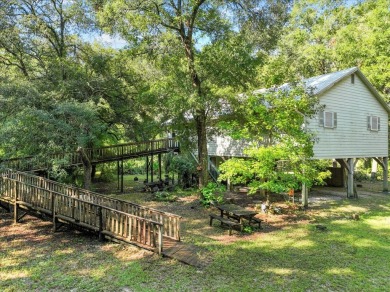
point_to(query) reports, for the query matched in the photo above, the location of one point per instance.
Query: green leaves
(325, 36)
(40, 38)
(212, 194)
(61, 128)
(274, 115)
(279, 158)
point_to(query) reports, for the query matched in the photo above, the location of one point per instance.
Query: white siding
(225, 146)
(351, 138)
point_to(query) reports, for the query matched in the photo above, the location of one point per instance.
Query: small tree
(185, 167)
(280, 156)
(273, 168)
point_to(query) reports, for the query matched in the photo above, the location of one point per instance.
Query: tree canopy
(195, 36)
(184, 61)
(326, 36)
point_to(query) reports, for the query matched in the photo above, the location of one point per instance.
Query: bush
(360, 175)
(137, 166)
(212, 194)
(105, 172)
(165, 196)
(185, 166)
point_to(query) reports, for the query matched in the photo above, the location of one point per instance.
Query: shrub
(361, 175)
(165, 196)
(212, 194)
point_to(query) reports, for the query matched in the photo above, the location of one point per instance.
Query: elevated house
(353, 124)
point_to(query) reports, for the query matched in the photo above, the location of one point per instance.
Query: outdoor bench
(225, 221)
(256, 221)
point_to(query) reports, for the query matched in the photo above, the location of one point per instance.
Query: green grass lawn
(349, 256)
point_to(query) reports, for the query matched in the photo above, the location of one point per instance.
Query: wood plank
(186, 253)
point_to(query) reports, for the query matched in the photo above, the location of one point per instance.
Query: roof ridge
(321, 83)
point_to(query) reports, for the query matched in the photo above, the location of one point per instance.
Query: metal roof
(319, 84)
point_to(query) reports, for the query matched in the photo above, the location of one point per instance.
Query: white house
(352, 125)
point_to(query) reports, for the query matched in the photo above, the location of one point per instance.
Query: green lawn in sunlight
(351, 255)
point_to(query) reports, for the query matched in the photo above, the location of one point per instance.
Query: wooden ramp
(186, 253)
(117, 219)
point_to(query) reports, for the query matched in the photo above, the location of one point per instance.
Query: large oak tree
(182, 30)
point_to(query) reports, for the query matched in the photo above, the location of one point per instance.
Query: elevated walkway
(105, 154)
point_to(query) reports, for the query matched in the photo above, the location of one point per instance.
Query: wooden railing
(130, 150)
(102, 219)
(170, 222)
(96, 155)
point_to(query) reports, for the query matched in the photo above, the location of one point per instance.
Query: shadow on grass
(349, 256)
(34, 258)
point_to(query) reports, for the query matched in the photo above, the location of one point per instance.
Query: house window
(373, 123)
(328, 119)
(353, 78)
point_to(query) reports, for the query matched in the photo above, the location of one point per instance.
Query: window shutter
(328, 119)
(334, 120)
(321, 118)
(374, 123)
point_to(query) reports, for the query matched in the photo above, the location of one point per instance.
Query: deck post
(350, 189)
(100, 214)
(122, 176)
(160, 239)
(53, 204)
(159, 166)
(151, 168)
(16, 210)
(117, 173)
(147, 168)
(177, 222)
(385, 174)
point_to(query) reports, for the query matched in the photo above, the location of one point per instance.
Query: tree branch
(193, 18)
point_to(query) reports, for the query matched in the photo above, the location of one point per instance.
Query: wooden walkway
(186, 253)
(112, 153)
(147, 228)
(109, 217)
(121, 220)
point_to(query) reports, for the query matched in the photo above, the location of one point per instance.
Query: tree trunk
(385, 174)
(200, 120)
(87, 168)
(93, 171)
(200, 112)
(305, 196)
